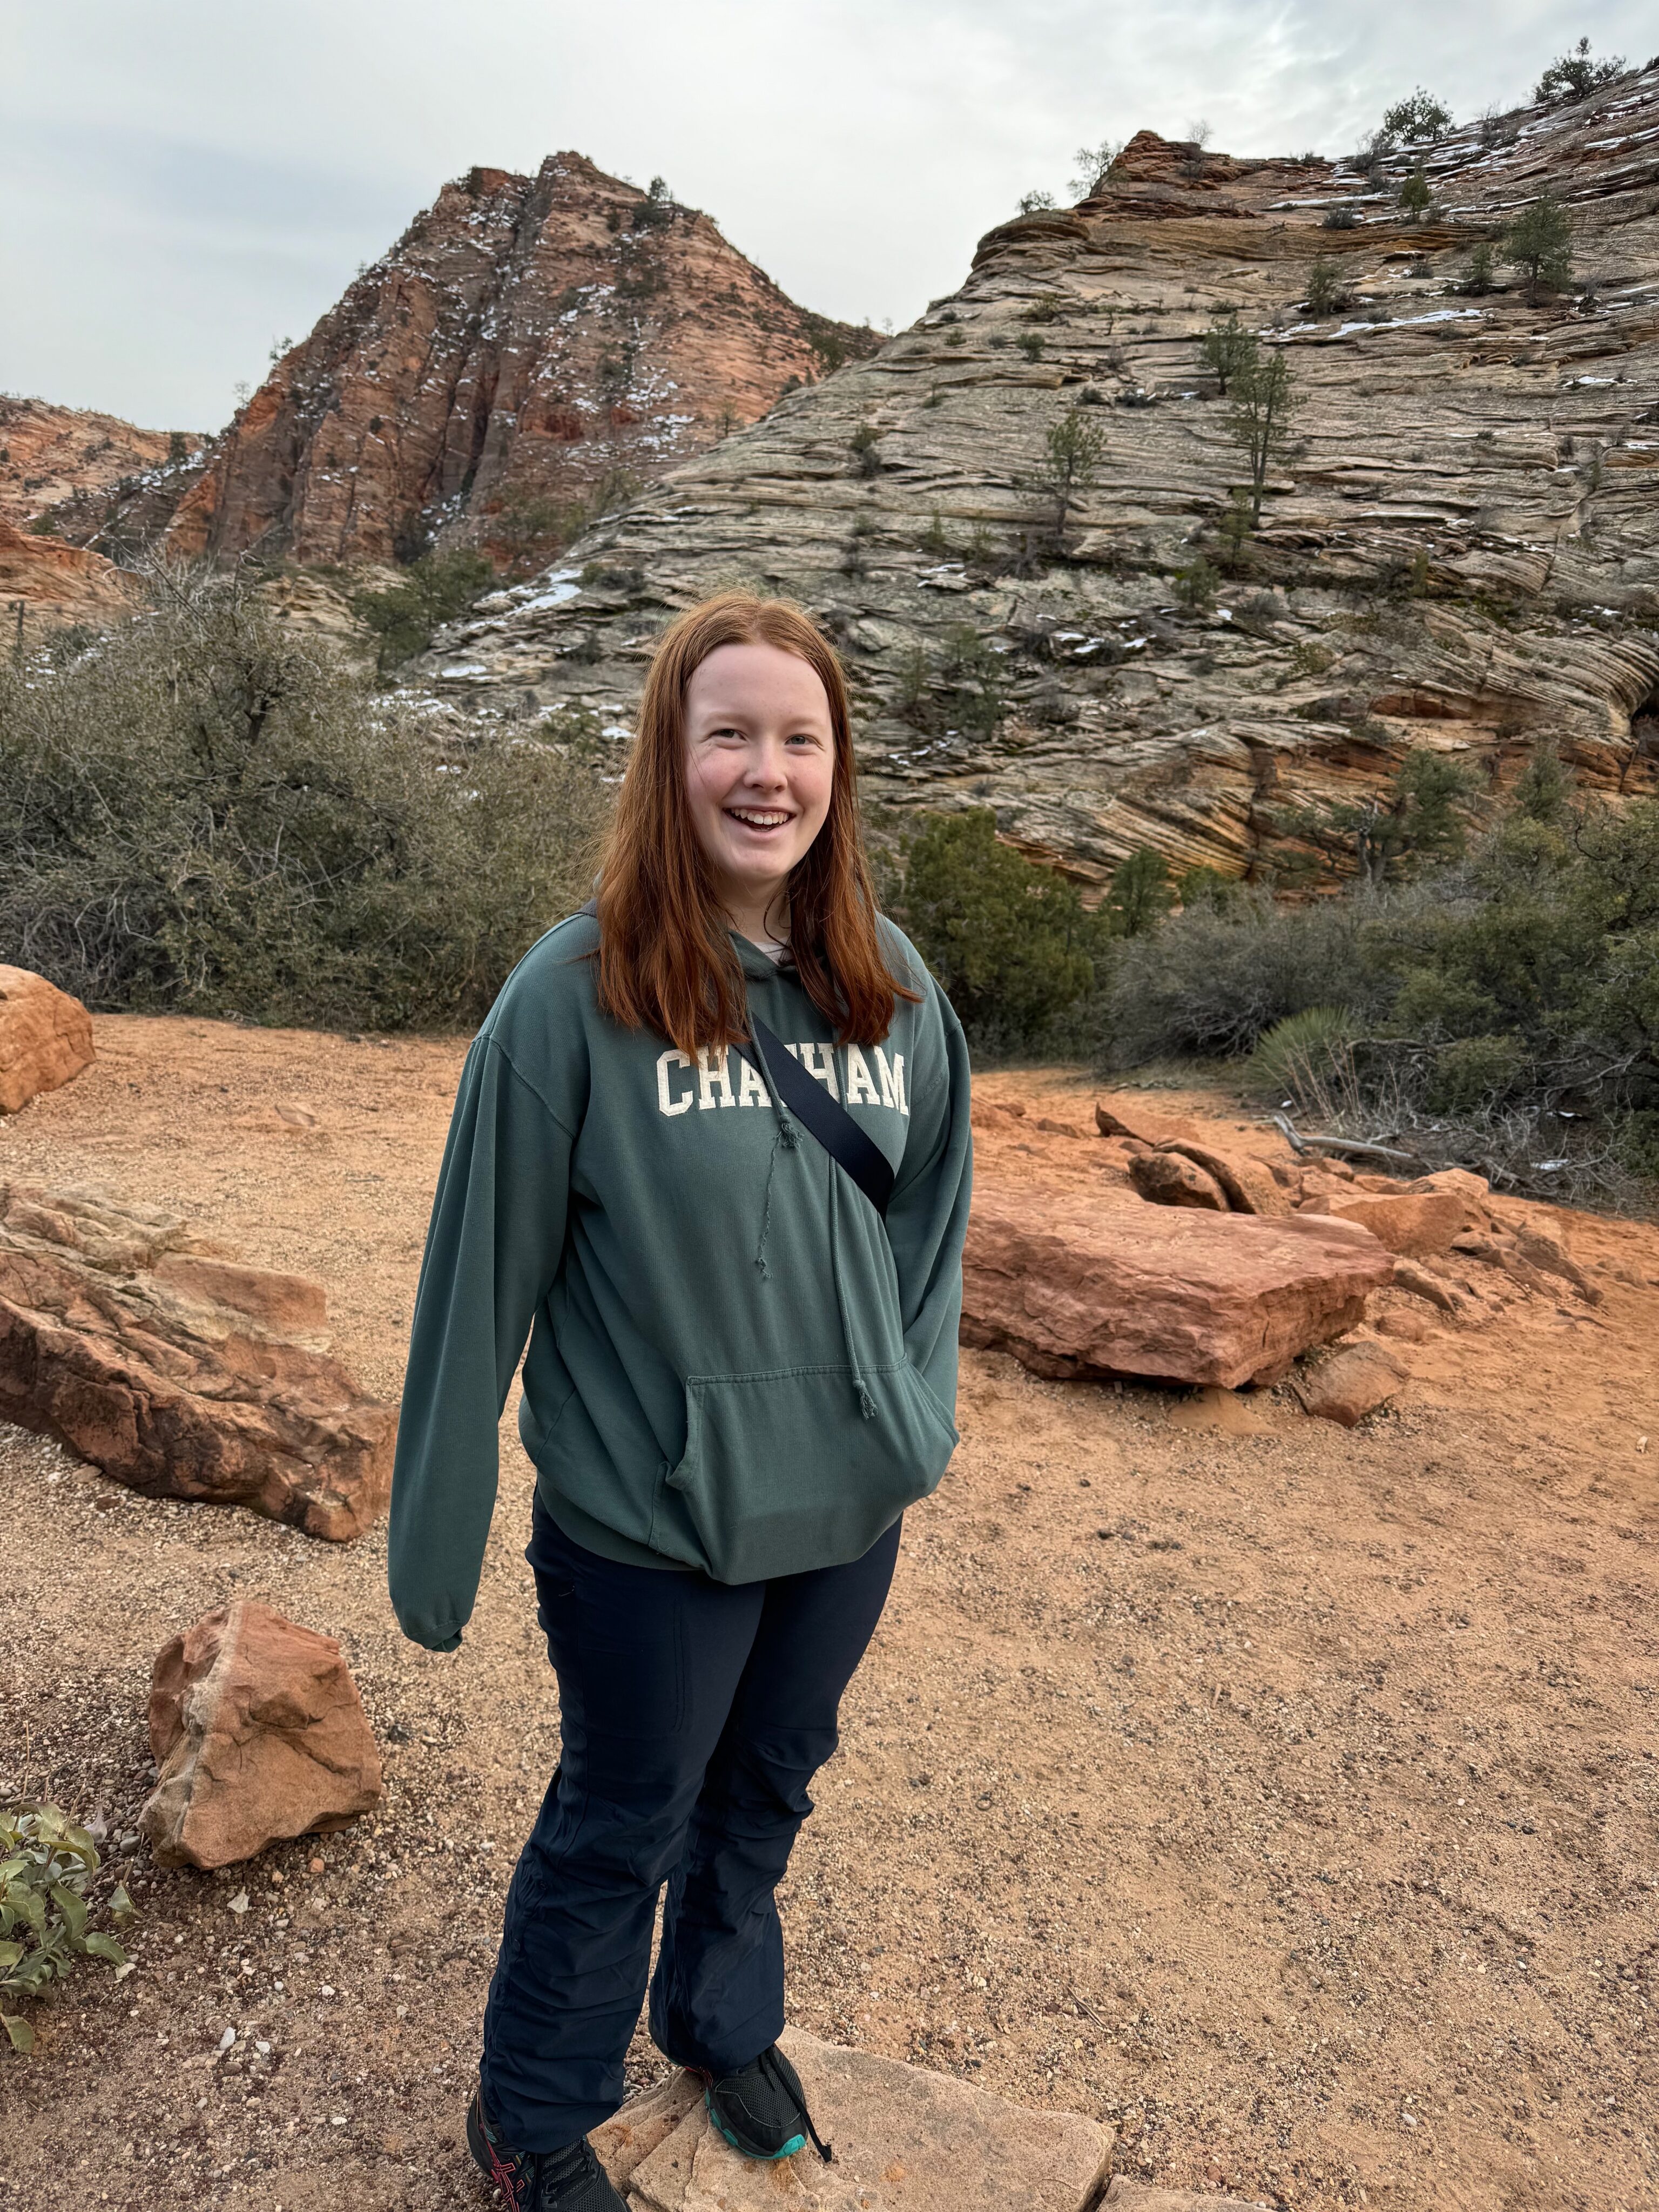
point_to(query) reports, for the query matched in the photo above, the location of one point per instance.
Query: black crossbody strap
(821, 1116)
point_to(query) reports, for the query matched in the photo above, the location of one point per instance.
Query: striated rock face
(1460, 548)
(45, 1037)
(46, 583)
(530, 345)
(69, 464)
(258, 1735)
(178, 1369)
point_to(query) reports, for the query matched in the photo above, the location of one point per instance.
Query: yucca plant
(1303, 1060)
(47, 1865)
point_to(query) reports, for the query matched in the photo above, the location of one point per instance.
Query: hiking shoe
(568, 2180)
(761, 2110)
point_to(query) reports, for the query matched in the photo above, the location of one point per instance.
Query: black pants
(693, 1715)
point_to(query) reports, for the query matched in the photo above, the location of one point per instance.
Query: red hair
(665, 957)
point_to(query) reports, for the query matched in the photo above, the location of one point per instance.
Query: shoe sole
(760, 2157)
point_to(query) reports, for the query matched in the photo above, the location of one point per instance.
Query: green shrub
(1010, 942)
(47, 1866)
(206, 812)
(1328, 292)
(1227, 350)
(1073, 455)
(1340, 218)
(1575, 74)
(1417, 818)
(1539, 242)
(961, 689)
(1299, 1060)
(935, 540)
(1195, 585)
(406, 615)
(1214, 977)
(1140, 893)
(866, 461)
(1473, 1073)
(1479, 275)
(1418, 119)
(1415, 197)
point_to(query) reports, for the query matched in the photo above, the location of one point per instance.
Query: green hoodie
(733, 1365)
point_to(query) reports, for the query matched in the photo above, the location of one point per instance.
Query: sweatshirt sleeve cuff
(430, 1639)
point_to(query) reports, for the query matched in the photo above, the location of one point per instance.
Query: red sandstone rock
(1167, 1179)
(179, 1371)
(1419, 1224)
(259, 1734)
(1408, 1276)
(67, 462)
(527, 341)
(45, 1037)
(56, 583)
(1403, 1322)
(1074, 1286)
(1248, 1186)
(1352, 1384)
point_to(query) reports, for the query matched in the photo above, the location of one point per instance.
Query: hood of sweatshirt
(734, 1365)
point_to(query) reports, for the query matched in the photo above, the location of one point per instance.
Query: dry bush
(206, 813)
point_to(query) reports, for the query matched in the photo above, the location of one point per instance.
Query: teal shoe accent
(767, 2158)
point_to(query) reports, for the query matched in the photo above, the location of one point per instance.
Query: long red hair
(665, 957)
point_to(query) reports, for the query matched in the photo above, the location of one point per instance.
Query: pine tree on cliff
(1264, 399)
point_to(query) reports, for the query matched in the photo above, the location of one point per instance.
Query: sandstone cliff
(67, 465)
(532, 349)
(1460, 548)
(45, 585)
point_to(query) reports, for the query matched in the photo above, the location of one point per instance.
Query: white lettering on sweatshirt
(711, 1079)
(666, 1101)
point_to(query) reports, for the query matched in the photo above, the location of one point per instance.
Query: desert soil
(1284, 1796)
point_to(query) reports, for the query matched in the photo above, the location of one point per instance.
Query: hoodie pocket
(783, 1473)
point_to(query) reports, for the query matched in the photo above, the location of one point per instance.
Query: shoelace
(576, 2162)
(769, 2064)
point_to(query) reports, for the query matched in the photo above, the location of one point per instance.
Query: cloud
(187, 180)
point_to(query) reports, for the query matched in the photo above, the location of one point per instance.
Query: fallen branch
(1348, 1144)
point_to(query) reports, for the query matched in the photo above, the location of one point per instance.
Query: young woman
(739, 1375)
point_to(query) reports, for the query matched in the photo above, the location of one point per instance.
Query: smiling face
(759, 764)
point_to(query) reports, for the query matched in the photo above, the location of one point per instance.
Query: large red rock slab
(258, 1735)
(905, 2140)
(1075, 1286)
(180, 1371)
(45, 1037)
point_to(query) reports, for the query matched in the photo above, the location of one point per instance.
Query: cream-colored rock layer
(1514, 447)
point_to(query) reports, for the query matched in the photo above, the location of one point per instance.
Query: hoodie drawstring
(786, 1138)
(866, 1403)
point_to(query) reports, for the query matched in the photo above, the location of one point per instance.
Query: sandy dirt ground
(1284, 1796)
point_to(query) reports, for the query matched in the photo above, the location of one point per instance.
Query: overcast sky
(185, 180)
